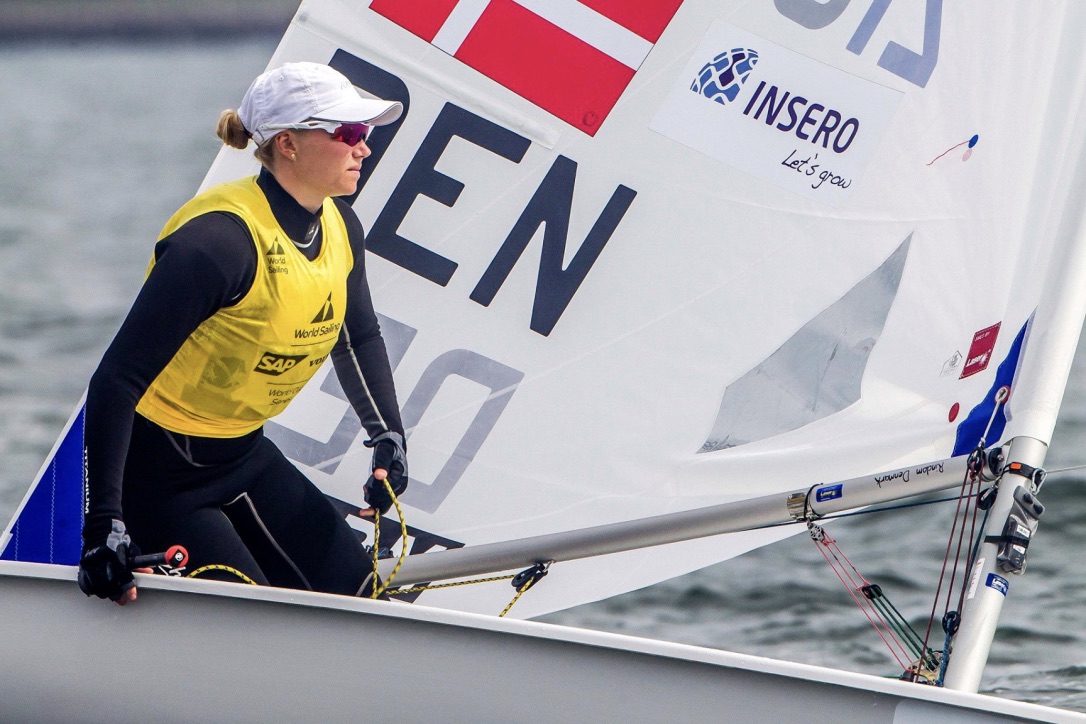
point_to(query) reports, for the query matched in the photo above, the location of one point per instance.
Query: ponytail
(231, 130)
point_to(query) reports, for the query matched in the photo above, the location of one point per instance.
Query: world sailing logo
(721, 78)
(326, 313)
(326, 318)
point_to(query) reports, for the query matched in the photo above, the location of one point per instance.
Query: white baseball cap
(297, 92)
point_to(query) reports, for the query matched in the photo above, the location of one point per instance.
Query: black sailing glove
(103, 570)
(389, 454)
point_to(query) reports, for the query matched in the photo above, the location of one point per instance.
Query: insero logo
(721, 78)
(776, 114)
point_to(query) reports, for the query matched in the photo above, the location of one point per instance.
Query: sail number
(497, 379)
(899, 60)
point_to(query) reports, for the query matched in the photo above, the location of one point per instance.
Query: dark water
(104, 142)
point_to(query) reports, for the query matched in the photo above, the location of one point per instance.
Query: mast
(988, 584)
(1041, 380)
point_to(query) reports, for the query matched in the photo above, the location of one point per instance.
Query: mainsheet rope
(916, 658)
(528, 577)
(521, 581)
(857, 585)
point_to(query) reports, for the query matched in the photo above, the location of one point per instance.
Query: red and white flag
(573, 59)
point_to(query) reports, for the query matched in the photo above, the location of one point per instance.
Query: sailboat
(662, 282)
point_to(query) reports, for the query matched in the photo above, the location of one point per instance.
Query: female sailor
(251, 286)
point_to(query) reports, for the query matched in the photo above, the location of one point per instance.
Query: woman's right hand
(103, 569)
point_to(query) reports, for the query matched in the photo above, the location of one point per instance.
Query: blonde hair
(232, 132)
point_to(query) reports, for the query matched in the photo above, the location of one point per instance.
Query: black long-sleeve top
(207, 264)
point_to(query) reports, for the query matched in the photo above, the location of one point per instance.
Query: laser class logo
(721, 78)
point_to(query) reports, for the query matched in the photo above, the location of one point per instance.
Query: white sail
(653, 257)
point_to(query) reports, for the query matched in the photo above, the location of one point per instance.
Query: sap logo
(277, 364)
(830, 128)
(721, 78)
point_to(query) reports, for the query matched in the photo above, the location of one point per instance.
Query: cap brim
(371, 111)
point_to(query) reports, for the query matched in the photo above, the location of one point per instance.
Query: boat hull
(206, 651)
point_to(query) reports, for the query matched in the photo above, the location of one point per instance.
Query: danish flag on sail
(573, 59)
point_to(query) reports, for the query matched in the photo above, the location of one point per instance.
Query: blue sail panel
(971, 429)
(50, 525)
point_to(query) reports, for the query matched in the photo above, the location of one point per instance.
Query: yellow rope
(228, 569)
(431, 586)
(403, 554)
(374, 549)
(377, 540)
(520, 590)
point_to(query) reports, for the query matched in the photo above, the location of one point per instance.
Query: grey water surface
(102, 142)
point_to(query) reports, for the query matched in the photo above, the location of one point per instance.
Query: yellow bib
(246, 362)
